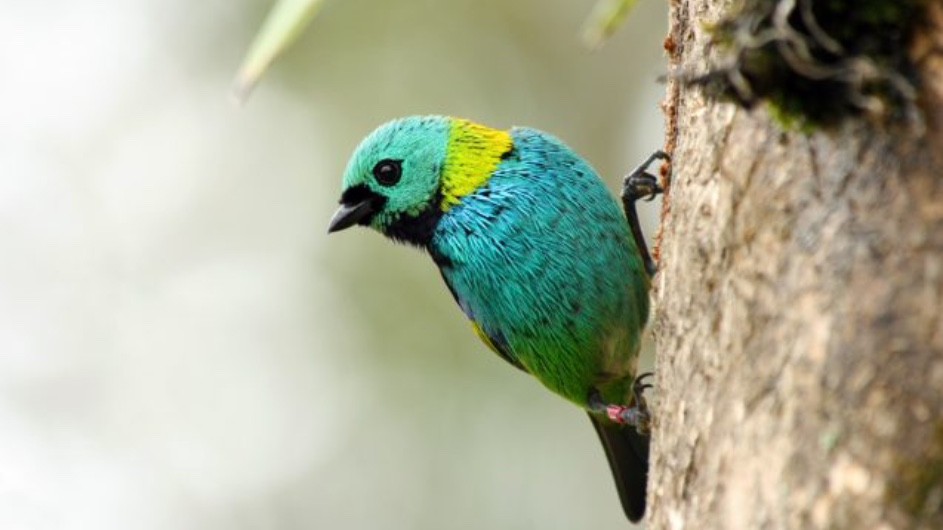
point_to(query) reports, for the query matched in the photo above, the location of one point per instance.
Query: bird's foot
(637, 415)
(640, 184)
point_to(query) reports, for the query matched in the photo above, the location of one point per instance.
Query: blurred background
(181, 344)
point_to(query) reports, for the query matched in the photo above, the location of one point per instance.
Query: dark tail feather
(627, 452)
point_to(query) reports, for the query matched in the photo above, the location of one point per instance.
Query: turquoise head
(410, 172)
(393, 179)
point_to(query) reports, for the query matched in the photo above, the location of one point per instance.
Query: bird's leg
(640, 184)
(637, 415)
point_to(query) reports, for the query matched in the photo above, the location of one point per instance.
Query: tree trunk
(799, 321)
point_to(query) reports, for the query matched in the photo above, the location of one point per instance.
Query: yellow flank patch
(484, 337)
(474, 153)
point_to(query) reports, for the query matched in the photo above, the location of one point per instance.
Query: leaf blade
(605, 19)
(282, 26)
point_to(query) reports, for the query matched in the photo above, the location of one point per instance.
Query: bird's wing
(497, 344)
(494, 341)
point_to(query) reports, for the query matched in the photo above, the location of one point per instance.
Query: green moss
(841, 58)
(918, 485)
(788, 112)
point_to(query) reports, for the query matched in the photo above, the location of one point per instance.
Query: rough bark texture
(799, 317)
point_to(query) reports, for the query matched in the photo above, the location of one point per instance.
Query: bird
(536, 252)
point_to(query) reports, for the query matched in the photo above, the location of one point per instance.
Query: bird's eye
(388, 172)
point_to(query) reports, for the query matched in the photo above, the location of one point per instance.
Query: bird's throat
(415, 230)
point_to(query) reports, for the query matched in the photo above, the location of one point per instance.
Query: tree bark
(799, 320)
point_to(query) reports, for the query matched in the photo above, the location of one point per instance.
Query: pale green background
(181, 344)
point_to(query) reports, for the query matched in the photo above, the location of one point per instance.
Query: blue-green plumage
(534, 249)
(542, 259)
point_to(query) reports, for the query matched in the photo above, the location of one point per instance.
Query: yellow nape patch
(474, 153)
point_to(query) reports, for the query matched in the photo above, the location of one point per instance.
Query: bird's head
(409, 172)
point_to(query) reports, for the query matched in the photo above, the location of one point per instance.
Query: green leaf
(607, 16)
(284, 24)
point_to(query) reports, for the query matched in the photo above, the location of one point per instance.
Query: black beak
(350, 214)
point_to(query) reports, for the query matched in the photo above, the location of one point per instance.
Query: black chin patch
(360, 193)
(414, 230)
(417, 230)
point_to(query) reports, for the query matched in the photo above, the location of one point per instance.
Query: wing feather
(494, 341)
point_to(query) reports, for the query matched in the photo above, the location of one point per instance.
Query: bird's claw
(637, 415)
(640, 184)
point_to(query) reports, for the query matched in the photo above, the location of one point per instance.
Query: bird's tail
(627, 452)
